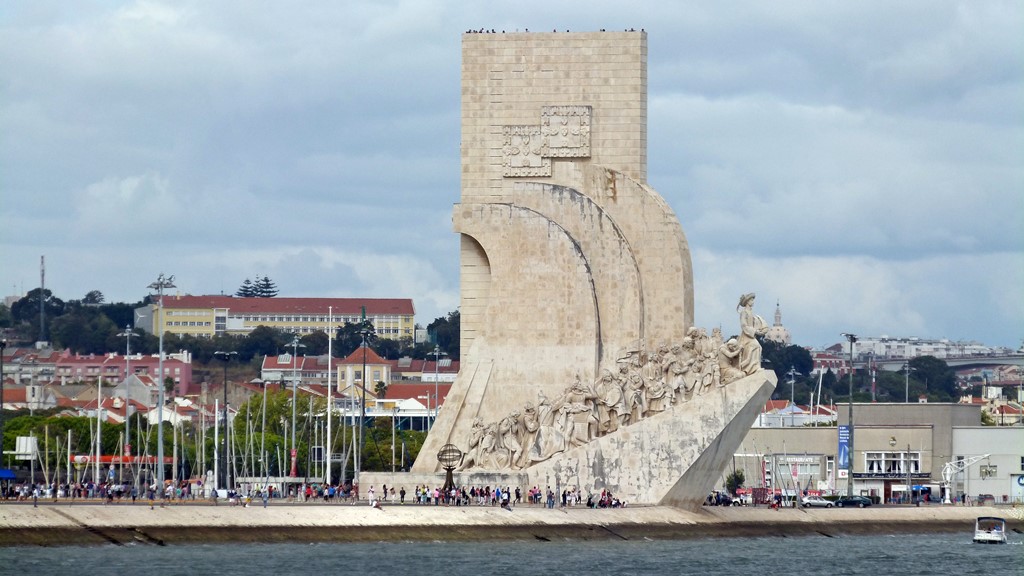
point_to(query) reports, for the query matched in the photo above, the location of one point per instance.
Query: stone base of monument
(674, 458)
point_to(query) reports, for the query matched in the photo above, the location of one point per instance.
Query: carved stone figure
(490, 448)
(550, 441)
(751, 326)
(691, 366)
(648, 383)
(529, 428)
(476, 434)
(656, 396)
(508, 436)
(545, 413)
(578, 413)
(636, 400)
(578, 419)
(729, 362)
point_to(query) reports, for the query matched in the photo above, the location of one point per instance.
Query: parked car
(815, 502)
(858, 501)
(717, 498)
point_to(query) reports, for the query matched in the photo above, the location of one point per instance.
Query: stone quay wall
(62, 524)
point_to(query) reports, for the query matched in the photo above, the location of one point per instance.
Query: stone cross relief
(644, 382)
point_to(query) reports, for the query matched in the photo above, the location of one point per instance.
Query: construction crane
(952, 468)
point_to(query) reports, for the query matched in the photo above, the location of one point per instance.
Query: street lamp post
(852, 338)
(365, 333)
(162, 283)
(871, 367)
(225, 357)
(892, 446)
(792, 395)
(127, 334)
(394, 413)
(295, 391)
(908, 370)
(437, 361)
(3, 346)
(330, 398)
(99, 426)
(910, 486)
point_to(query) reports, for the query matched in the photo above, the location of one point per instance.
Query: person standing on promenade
(401, 495)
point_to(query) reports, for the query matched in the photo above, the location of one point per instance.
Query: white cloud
(857, 161)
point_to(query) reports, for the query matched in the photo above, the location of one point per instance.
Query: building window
(893, 463)
(874, 462)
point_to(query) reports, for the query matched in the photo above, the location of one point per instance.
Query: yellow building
(211, 315)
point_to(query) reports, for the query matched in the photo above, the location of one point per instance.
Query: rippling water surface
(902, 554)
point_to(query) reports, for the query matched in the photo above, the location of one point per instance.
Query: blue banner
(843, 460)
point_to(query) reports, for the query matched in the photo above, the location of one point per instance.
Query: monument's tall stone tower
(571, 266)
(558, 227)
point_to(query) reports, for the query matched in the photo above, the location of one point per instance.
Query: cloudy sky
(860, 162)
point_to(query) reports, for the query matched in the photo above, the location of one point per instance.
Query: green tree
(85, 330)
(315, 343)
(93, 298)
(246, 290)
(6, 319)
(781, 359)
(734, 481)
(264, 288)
(349, 337)
(121, 314)
(26, 312)
(445, 333)
(387, 348)
(262, 341)
(934, 378)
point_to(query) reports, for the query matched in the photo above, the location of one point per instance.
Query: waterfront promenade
(81, 523)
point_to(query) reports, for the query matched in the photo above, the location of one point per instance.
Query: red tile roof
(356, 357)
(15, 395)
(412, 390)
(339, 306)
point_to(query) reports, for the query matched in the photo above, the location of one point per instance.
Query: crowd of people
(184, 491)
(108, 492)
(506, 497)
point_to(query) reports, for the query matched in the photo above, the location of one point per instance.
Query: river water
(880, 555)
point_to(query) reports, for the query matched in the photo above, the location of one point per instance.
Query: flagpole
(330, 399)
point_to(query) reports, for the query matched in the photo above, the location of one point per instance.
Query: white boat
(989, 530)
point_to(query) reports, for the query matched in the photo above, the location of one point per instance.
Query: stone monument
(581, 367)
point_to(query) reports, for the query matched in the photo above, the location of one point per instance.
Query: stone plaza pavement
(57, 524)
